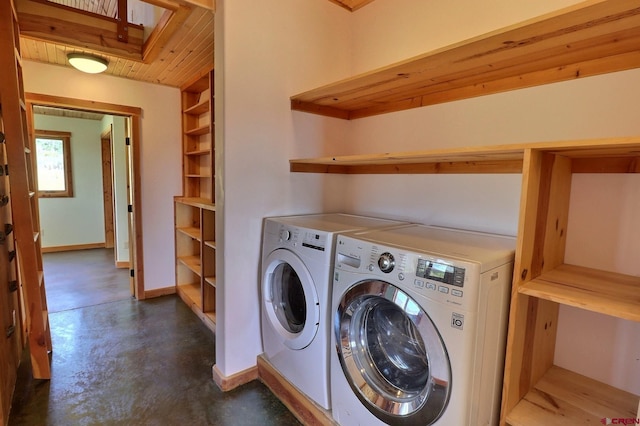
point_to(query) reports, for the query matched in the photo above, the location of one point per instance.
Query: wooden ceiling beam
(175, 4)
(170, 22)
(83, 30)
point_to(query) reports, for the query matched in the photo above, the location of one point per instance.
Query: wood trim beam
(169, 23)
(83, 105)
(86, 31)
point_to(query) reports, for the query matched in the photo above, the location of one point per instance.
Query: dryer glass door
(392, 354)
(290, 298)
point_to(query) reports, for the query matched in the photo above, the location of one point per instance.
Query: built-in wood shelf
(592, 289)
(591, 38)
(191, 262)
(210, 280)
(199, 131)
(190, 232)
(613, 155)
(199, 108)
(190, 294)
(202, 203)
(562, 397)
(198, 152)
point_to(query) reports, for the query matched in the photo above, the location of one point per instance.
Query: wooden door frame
(135, 114)
(107, 187)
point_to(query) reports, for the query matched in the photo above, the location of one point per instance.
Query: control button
(386, 262)
(419, 283)
(431, 286)
(457, 293)
(285, 235)
(401, 276)
(443, 289)
(371, 267)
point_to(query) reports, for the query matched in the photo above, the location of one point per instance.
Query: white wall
(160, 166)
(603, 106)
(119, 167)
(267, 51)
(76, 220)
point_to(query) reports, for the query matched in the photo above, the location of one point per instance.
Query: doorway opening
(121, 200)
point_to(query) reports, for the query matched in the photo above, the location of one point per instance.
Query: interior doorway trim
(135, 113)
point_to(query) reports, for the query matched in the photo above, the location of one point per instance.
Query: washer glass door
(290, 298)
(392, 354)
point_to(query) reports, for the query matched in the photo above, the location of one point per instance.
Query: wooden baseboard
(235, 380)
(159, 292)
(74, 247)
(308, 412)
(122, 265)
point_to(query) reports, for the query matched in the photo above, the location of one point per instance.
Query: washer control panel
(443, 279)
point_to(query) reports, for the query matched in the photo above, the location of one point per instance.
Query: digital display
(437, 270)
(441, 272)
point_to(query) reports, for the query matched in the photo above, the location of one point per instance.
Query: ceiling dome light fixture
(88, 63)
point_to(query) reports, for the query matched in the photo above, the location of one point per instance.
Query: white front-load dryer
(419, 326)
(297, 259)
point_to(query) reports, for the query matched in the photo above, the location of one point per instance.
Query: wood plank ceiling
(49, 32)
(51, 29)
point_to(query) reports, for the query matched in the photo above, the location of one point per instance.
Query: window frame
(68, 173)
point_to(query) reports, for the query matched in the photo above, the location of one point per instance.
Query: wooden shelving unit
(198, 146)
(591, 38)
(195, 209)
(594, 37)
(535, 390)
(196, 256)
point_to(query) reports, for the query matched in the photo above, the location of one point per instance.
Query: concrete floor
(127, 362)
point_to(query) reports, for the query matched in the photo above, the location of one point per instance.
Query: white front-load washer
(419, 326)
(297, 259)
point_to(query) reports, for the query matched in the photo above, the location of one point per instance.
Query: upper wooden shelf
(591, 38)
(614, 155)
(592, 289)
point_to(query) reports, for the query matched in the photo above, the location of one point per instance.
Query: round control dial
(386, 262)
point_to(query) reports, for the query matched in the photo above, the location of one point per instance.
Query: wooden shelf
(562, 397)
(190, 293)
(197, 176)
(200, 84)
(199, 108)
(591, 38)
(190, 232)
(198, 152)
(210, 280)
(591, 289)
(211, 244)
(202, 203)
(612, 155)
(191, 262)
(199, 131)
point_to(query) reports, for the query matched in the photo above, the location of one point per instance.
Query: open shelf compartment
(563, 397)
(591, 289)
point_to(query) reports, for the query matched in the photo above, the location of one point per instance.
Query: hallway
(126, 362)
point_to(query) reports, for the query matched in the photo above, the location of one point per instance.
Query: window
(53, 157)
